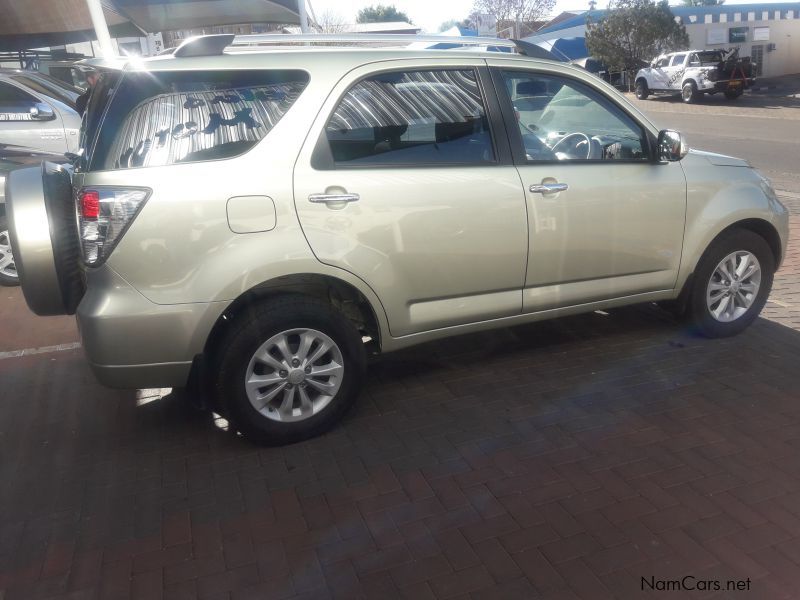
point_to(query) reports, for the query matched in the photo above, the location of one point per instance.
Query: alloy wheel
(7, 266)
(294, 375)
(733, 286)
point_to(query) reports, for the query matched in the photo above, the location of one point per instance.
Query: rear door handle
(548, 188)
(333, 198)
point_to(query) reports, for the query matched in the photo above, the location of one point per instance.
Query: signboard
(737, 35)
(486, 25)
(715, 36)
(761, 34)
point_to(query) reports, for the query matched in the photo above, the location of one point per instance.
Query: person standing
(83, 99)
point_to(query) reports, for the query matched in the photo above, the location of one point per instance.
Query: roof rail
(353, 38)
(204, 45)
(214, 45)
(522, 47)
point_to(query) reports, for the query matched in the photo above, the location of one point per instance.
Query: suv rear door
(406, 181)
(605, 220)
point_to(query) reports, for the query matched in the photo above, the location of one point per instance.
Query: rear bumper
(131, 342)
(721, 86)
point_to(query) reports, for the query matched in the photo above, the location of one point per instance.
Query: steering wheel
(572, 137)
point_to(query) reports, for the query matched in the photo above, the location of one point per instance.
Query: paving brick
(586, 452)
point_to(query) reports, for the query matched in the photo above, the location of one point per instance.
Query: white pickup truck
(695, 72)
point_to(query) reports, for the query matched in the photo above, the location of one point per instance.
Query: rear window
(157, 119)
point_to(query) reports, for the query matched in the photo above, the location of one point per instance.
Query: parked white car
(37, 111)
(696, 72)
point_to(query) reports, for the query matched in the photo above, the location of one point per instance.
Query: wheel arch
(759, 226)
(342, 295)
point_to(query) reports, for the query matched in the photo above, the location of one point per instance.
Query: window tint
(662, 62)
(411, 118)
(569, 121)
(157, 119)
(48, 87)
(15, 103)
(677, 60)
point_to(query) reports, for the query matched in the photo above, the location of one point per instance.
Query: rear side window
(411, 118)
(157, 119)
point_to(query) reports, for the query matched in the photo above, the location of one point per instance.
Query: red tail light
(90, 204)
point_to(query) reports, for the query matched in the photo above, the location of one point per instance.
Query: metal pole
(301, 10)
(100, 28)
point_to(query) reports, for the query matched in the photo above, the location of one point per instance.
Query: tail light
(104, 213)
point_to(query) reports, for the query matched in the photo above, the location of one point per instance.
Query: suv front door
(605, 220)
(26, 120)
(406, 181)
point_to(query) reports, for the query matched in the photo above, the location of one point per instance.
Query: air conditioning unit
(771, 47)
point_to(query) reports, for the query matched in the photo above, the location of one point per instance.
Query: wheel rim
(733, 286)
(687, 93)
(294, 375)
(7, 266)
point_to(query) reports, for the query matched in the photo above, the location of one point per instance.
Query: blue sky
(429, 14)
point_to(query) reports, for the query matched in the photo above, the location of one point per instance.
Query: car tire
(725, 302)
(642, 91)
(689, 92)
(732, 94)
(8, 271)
(282, 343)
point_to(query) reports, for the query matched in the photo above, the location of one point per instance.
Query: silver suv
(259, 221)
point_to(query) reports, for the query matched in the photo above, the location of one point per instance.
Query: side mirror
(671, 146)
(42, 112)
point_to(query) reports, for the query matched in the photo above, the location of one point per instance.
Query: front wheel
(289, 369)
(731, 284)
(8, 269)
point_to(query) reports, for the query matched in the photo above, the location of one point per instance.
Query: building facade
(769, 33)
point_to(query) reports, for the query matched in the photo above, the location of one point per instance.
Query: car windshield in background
(48, 86)
(158, 119)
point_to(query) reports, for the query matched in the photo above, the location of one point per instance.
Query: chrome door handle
(548, 188)
(335, 198)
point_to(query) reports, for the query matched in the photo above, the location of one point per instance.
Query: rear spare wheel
(44, 240)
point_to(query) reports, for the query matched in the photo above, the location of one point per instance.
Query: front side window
(15, 103)
(572, 122)
(411, 118)
(677, 60)
(157, 119)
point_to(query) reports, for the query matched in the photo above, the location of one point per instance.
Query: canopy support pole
(101, 28)
(301, 10)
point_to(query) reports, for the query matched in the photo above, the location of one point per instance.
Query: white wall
(785, 34)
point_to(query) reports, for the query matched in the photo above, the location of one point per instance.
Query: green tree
(633, 32)
(381, 14)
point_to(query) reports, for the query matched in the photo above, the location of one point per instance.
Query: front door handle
(548, 188)
(333, 198)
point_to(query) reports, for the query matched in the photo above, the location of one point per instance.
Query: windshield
(48, 86)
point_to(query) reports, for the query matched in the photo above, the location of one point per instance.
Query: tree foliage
(633, 32)
(524, 11)
(381, 14)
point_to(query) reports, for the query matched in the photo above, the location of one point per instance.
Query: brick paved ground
(559, 460)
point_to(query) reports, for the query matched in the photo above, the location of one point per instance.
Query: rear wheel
(289, 369)
(642, 91)
(8, 269)
(732, 94)
(689, 92)
(731, 284)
